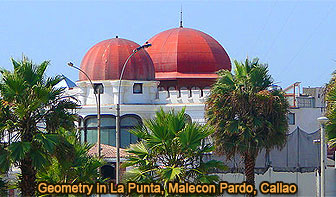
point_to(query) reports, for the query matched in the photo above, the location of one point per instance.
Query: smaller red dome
(104, 61)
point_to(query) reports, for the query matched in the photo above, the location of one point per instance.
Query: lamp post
(322, 121)
(118, 110)
(97, 88)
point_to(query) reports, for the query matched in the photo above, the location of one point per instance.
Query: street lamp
(98, 89)
(322, 121)
(146, 45)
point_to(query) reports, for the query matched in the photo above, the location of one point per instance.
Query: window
(137, 88)
(127, 123)
(291, 118)
(188, 118)
(171, 88)
(98, 88)
(108, 171)
(108, 130)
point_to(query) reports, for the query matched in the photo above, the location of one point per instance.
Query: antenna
(181, 17)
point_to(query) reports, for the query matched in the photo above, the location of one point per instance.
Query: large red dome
(104, 61)
(181, 55)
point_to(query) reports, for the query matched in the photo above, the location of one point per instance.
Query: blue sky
(296, 38)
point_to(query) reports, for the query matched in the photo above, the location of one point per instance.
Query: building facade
(176, 72)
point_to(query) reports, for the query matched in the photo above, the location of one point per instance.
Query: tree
(246, 115)
(72, 163)
(170, 149)
(3, 186)
(331, 110)
(32, 109)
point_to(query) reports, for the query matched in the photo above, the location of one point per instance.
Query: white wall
(306, 119)
(307, 182)
(144, 105)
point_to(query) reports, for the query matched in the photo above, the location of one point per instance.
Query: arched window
(108, 130)
(161, 89)
(108, 172)
(188, 118)
(128, 122)
(171, 88)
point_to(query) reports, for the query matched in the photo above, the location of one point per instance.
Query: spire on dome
(181, 18)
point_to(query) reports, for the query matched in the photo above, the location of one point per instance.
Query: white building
(175, 72)
(181, 64)
(306, 107)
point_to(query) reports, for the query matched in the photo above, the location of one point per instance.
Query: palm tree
(331, 110)
(171, 149)
(3, 186)
(32, 109)
(246, 115)
(72, 163)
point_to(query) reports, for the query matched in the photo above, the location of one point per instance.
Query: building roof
(108, 151)
(187, 53)
(65, 83)
(104, 61)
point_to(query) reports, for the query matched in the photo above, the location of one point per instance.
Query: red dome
(184, 53)
(104, 61)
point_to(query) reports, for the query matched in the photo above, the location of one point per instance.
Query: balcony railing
(305, 102)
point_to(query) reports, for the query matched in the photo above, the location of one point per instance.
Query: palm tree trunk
(249, 161)
(28, 177)
(28, 173)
